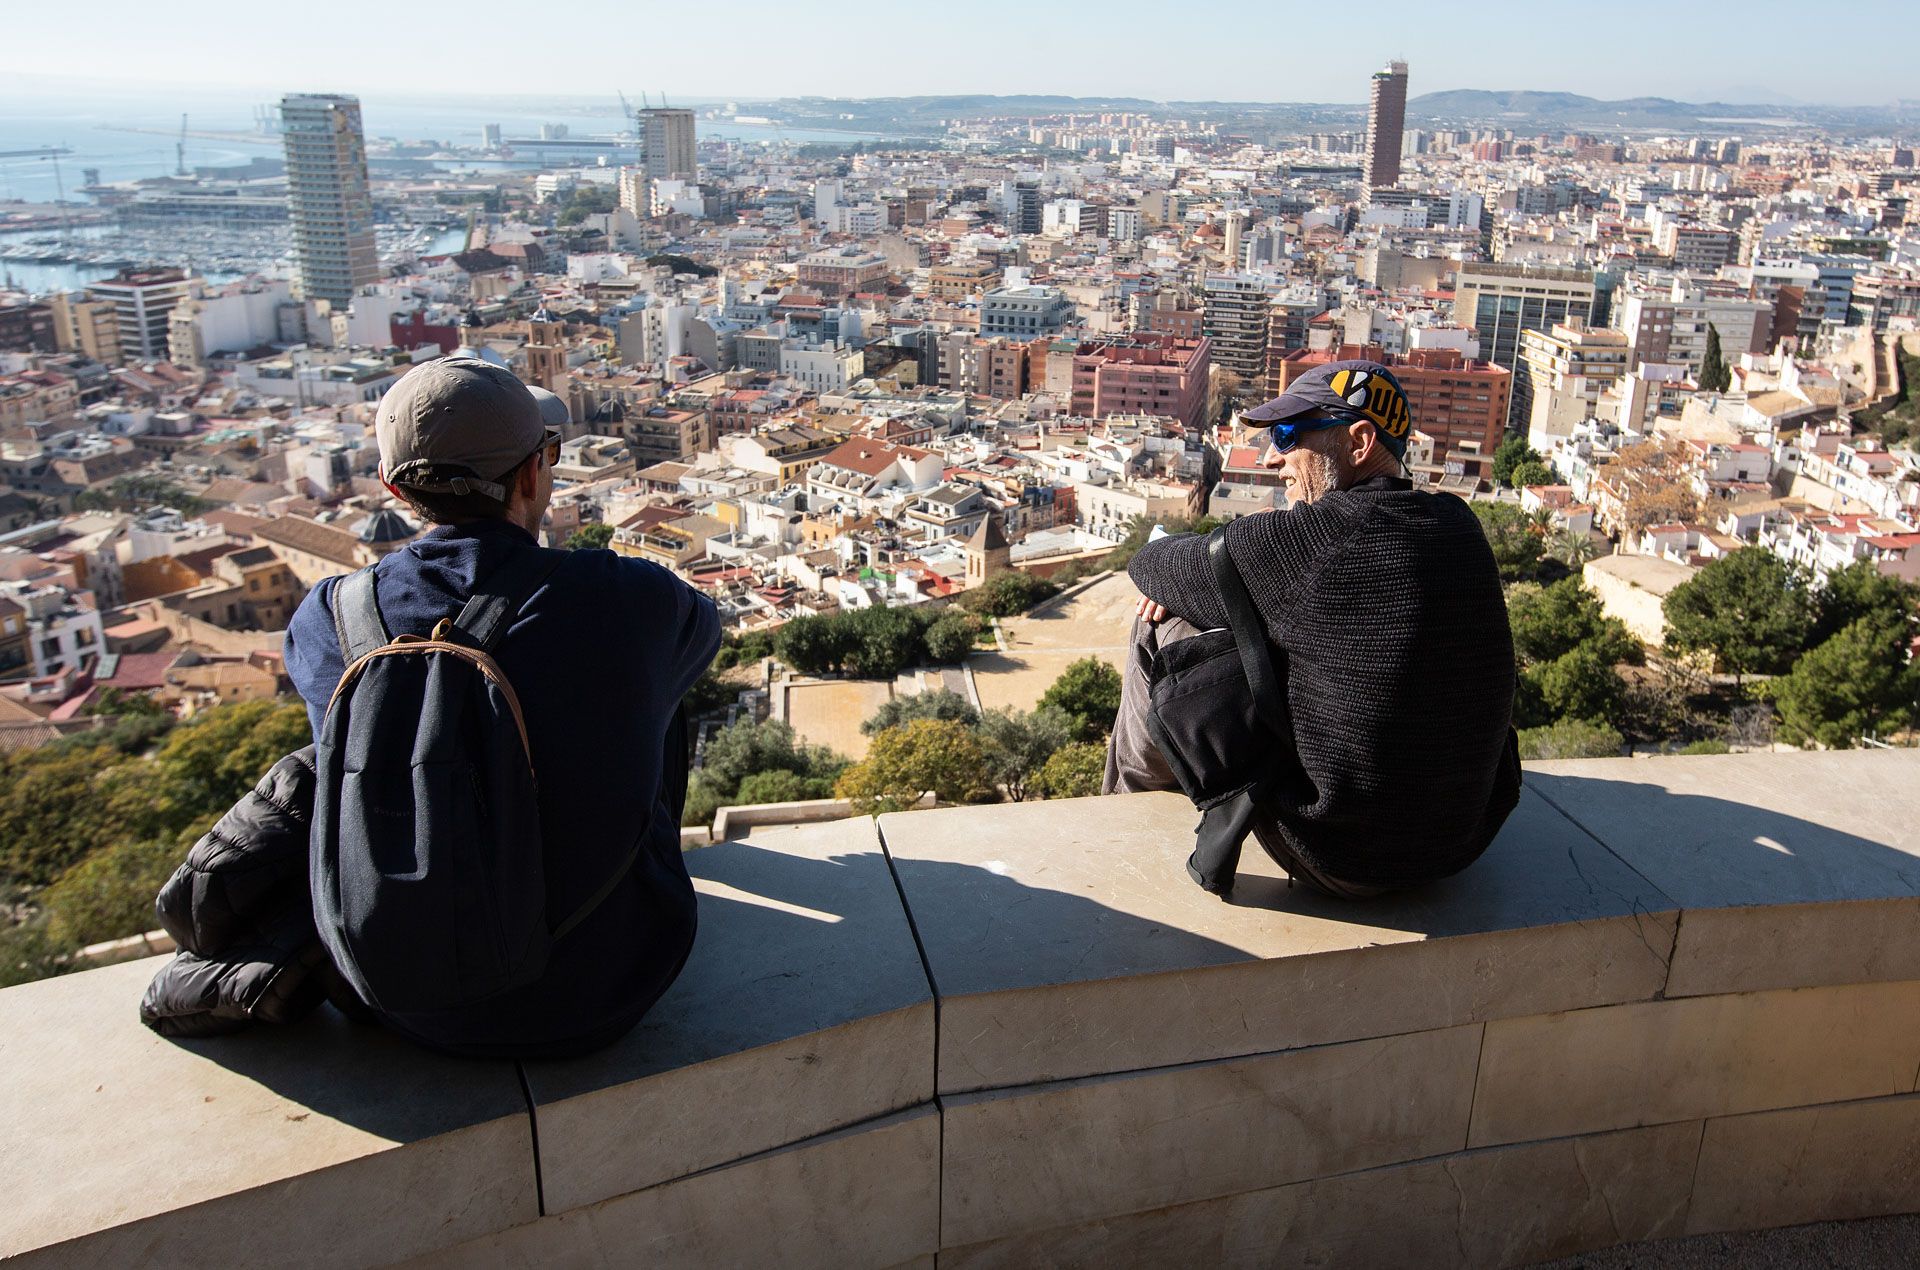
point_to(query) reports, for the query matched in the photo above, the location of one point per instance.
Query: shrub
(1018, 744)
(1706, 747)
(1571, 738)
(781, 787)
(746, 749)
(1008, 595)
(1075, 770)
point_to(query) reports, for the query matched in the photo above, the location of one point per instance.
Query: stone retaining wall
(1678, 995)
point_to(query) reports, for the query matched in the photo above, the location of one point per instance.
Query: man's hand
(1149, 610)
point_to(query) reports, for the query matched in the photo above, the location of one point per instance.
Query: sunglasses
(550, 442)
(1283, 436)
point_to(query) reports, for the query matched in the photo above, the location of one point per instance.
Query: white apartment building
(143, 302)
(823, 368)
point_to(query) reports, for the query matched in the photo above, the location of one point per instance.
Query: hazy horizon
(1230, 51)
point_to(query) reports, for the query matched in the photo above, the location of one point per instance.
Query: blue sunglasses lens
(1282, 437)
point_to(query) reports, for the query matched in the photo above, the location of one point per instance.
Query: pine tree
(1715, 374)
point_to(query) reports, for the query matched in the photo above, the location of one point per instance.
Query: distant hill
(1572, 109)
(896, 116)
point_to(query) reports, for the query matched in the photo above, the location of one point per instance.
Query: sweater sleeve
(1175, 572)
(1278, 553)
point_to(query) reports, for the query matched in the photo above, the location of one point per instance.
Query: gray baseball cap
(553, 409)
(456, 425)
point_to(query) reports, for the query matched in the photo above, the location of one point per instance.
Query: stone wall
(1678, 995)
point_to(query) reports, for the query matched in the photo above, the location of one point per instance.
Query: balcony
(1678, 995)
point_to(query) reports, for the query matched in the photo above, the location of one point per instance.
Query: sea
(128, 135)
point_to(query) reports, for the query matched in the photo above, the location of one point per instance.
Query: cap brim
(1281, 409)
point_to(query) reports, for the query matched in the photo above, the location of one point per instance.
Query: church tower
(988, 554)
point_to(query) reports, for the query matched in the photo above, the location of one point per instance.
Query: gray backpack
(427, 864)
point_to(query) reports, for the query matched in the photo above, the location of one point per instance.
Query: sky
(1162, 50)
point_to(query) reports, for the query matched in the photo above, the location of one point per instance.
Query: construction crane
(180, 150)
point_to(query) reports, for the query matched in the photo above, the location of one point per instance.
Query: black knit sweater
(1386, 607)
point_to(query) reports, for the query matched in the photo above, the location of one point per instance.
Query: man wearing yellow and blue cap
(1384, 612)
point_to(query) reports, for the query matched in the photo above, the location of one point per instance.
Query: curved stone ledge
(1677, 996)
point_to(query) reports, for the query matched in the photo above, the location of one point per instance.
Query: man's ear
(1366, 441)
(527, 480)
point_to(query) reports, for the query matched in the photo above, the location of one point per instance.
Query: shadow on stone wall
(797, 943)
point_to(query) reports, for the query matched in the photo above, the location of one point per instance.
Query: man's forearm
(1175, 573)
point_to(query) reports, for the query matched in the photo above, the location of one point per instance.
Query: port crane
(180, 150)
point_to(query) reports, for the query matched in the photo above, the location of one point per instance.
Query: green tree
(205, 765)
(1857, 683)
(1075, 770)
(938, 704)
(110, 894)
(1581, 684)
(1007, 595)
(1510, 454)
(1751, 610)
(1570, 738)
(1088, 693)
(951, 637)
(1531, 472)
(884, 641)
(1017, 745)
(1860, 591)
(1715, 374)
(595, 535)
(940, 755)
(1516, 548)
(1551, 621)
(1706, 747)
(813, 645)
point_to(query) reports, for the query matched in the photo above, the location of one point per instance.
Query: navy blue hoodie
(599, 658)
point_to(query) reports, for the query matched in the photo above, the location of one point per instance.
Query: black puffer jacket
(240, 911)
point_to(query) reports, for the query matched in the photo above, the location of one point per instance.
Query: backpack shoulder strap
(486, 616)
(1256, 658)
(356, 616)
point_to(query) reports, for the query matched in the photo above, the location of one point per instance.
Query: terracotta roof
(869, 457)
(313, 538)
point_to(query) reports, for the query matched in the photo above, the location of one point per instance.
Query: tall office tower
(666, 144)
(1502, 301)
(1386, 120)
(328, 198)
(1234, 317)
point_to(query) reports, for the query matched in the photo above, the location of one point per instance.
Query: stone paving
(1041, 645)
(830, 713)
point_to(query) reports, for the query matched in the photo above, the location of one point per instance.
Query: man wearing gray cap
(1389, 643)
(598, 656)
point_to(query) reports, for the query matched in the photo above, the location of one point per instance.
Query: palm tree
(1573, 548)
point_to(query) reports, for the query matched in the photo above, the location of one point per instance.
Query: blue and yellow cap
(1348, 390)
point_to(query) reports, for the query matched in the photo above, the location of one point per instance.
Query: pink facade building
(1143, 373)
